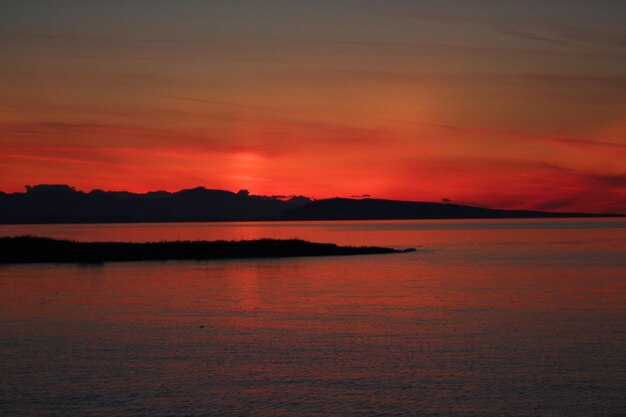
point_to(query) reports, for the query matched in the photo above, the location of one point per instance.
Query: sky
(505, 104)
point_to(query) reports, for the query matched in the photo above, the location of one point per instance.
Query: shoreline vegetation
(33, 249)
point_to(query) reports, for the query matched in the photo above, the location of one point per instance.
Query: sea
(485, 318)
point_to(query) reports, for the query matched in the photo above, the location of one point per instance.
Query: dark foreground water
(491, 318)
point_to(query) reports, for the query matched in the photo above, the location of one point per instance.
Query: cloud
(544, 27)
(593, 36)
(470, 133)
(219, 103)
(511, 183)
(269, 137)
(585, 144)
(88, 137)
(447, 77)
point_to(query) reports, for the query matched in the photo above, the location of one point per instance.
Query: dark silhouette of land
(29, 249)
(63, 204)
(377, 209)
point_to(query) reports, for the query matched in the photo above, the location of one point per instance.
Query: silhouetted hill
(375, 209)
(29, 249)
(63, 204)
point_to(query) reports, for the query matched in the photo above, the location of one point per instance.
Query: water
(489, 318)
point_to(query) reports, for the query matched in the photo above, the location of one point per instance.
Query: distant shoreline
(31, 249)
(62, 204)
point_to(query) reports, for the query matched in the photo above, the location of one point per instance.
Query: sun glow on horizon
(515, 106)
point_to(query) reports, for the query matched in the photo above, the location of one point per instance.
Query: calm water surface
(490, 318)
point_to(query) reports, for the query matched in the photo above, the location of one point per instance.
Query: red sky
(506, 105)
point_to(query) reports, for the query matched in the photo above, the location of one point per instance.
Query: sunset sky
(507, 104)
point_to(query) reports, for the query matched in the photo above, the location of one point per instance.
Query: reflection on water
(345, 232)
(516, 318)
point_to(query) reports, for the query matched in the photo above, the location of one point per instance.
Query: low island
(31, 249)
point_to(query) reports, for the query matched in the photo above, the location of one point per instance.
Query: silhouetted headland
(30, 249)
(379, 209)
(64, 204)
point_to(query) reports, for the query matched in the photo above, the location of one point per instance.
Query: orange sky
(502, 104)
